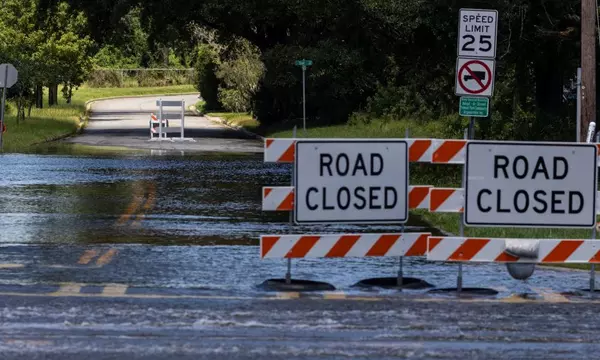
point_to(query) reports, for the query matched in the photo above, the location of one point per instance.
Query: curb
(233, 127)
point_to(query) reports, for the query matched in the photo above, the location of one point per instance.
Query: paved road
(124, 123)
(146, 257)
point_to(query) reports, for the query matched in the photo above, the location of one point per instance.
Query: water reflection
(208, 199)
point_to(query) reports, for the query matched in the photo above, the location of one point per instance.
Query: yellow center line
(107, 257)
(28, 342)
(334, 295)
(87, 256)
(67, 289)
(287, 295)
(114, 290)
(11, 266)
(515, 298)
(550, 296)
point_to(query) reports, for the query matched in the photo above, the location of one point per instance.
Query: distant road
(123, 122)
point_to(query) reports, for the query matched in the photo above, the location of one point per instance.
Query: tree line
(386, 59)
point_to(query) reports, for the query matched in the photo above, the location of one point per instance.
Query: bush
(105, 78)
(201, 107)
(208, 83)
(233, 101)
(240, 73)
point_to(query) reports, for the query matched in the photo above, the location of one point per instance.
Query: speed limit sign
(477, 33)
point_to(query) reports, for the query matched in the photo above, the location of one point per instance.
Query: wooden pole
(588, 66)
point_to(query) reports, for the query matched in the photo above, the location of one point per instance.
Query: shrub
(233, 100)
(208, 83)
(105, 78)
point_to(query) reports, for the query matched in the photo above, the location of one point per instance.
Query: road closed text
(342, 166)
(530, 185)
(540, 201)
(350, 181)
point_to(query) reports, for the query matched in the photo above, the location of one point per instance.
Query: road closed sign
(351, 181)
(530, 184)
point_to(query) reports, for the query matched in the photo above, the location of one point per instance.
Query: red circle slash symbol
(474, 76)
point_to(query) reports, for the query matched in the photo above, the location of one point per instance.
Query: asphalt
(124, 122)
(146, 257)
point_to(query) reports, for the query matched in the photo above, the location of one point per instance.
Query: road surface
(124, 123)
(137, 256)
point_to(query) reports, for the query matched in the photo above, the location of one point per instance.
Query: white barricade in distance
(168, 112)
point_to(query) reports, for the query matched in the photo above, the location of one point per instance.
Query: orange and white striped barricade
(281, 198)
(282, 150)
(463, 249)
(446, 200)
(341, 246)
(154, 124)
(449, 151)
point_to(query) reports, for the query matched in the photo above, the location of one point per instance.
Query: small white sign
(475, 77)
(8, 75)
(477, 31)
(530, 184)
(351, 181)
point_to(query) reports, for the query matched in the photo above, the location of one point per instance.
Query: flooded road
(144, 256)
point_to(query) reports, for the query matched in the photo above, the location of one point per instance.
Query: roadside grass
(244, 120)
(52, 123)
(373, 129)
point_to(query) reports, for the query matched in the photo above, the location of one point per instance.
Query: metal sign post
(578, 114)
(8, 77)
(288, 274)
(304, 64)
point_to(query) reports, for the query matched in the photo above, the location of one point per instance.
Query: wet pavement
(154, 254)
(140, 256)
(124, 122)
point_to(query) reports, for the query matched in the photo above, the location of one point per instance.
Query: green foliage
(208, 83)
(201, 107)
(233, 100)
(49, 51)
(392, 59)
(239, 73)
(105, 78)
(335, 85)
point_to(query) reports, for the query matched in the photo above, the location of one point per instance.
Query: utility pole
(588, 66)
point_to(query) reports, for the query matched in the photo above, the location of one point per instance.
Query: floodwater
(201, 214)
(143, 256)
(171, 200)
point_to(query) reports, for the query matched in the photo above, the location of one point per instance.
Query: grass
(374, 129)
(244, 120)
(51, 123)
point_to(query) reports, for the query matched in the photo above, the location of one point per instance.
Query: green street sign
(474, 106)
(303, 62)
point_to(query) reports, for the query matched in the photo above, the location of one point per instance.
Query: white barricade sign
(530, 184)
(351, 181)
